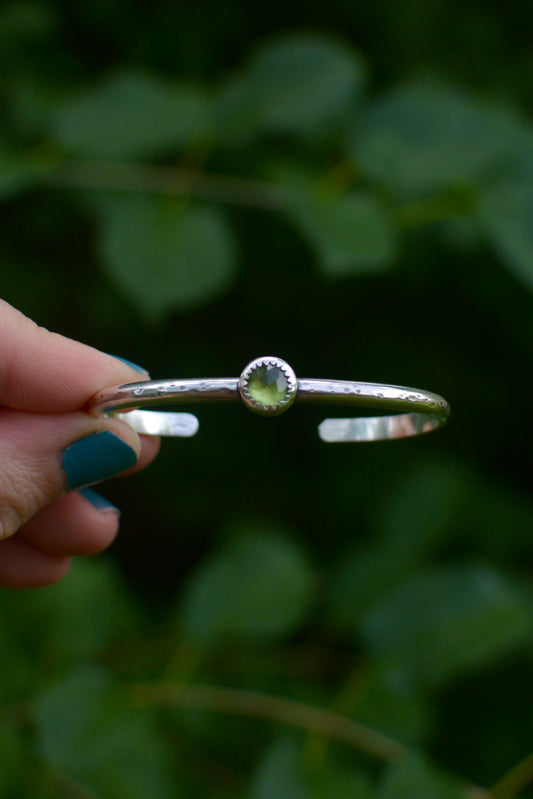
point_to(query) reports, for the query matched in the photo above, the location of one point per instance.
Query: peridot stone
(268, 385)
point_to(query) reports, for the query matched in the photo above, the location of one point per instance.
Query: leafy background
(347, 185)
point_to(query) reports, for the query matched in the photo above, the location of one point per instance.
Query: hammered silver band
(269, 386)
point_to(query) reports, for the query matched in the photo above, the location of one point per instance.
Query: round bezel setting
(268, 385)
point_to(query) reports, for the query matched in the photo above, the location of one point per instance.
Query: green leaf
(398, 710)
(413, 778)
(14, 758)
(26, 21)
(260, 586)
(165, 256)
(20, 170)
(351, 234)
(421, 138)
(278, 774)
(297, 84)
(424, 508)
(443, 622)
(329, 782)
(132, 115)
(359, 581)
(505, 212)
(86, 730)
(79, 616)
(20, 669)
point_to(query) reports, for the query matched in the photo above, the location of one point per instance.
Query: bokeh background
(348, 186)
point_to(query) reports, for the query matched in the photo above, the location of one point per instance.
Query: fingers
(44, 372)
(42, 456)
(23, 565)
(150, 446)
(81, 523)
(49, 446)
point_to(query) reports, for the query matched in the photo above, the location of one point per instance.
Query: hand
(49, 446)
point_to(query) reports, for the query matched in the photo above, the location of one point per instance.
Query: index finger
(45, 372)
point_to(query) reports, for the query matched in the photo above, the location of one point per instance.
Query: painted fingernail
(95, 458)
(97, 500)
(135, 366)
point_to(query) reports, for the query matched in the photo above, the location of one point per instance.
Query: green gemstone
(268, 386)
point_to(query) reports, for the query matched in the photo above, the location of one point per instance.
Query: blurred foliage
(349, 186)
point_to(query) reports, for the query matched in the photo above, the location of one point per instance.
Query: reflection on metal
(159, 423)
(376, 428)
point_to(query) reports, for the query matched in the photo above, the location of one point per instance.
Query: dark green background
(389, 583)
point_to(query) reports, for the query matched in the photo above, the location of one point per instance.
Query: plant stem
(71, 788)
(435, 208)
(284, 711)
(515, 780)
(197, 183)
(271, 708)
(116, 176)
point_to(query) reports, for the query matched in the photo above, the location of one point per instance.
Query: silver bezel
(254, 405)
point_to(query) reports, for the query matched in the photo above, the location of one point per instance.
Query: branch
(439, 207)
(122, 176)
(272, 708)
(515, 780)
(116, 176)
(284, 711)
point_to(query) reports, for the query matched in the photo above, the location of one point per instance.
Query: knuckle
(20, 499)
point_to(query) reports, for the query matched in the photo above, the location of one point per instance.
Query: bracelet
(269, 386)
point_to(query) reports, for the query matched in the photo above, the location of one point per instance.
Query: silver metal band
(269, 386)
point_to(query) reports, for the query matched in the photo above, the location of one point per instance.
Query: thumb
(44, 372)
(43, 456)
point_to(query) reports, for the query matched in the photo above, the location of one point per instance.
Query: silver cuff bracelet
(268, 386)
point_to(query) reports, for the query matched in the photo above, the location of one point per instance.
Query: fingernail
(96, 457)
(135, 366)
(97, 500)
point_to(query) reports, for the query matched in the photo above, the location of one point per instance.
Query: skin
(46, 381)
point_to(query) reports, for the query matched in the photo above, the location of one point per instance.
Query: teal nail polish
(96, 457)
(135, 366)
(97, 500)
